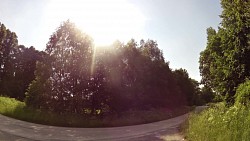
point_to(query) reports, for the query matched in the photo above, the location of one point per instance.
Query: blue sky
(179, 27)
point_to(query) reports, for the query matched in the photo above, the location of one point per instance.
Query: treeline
(72, 76)
(17, 64)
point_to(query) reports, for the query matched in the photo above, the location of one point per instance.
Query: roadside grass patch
(220, 123)
(8, 106)
(17, 109)
(223, 123)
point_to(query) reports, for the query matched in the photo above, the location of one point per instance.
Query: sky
(178, 26)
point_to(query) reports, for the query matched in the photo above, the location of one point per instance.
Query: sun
(104, 20)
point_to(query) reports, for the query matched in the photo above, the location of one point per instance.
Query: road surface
(16, 130)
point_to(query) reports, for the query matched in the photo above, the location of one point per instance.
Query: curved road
(16, 130)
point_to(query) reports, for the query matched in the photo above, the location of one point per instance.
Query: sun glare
(104, 20)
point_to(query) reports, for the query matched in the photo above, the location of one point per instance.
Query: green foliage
(8, 43)
(207, 95)
(223, 123)
(224, 64)
(19, 110)
(17, 64)
(76, 78)
(220, 123)
(24, 62)
(38, 92)
(138, 78)
(243, 94)
(151, 50)
(72, 77)
(64, 79)
(188, 87)
(9, 105)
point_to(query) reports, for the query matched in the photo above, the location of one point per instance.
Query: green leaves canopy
(225, 62)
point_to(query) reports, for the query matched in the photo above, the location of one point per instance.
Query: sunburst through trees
(72, 76)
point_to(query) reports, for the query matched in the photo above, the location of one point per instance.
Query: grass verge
(220, 123)
(16, 109)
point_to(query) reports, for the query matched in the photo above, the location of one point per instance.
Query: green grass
(16, 109)
(220, 123)
(8, 106)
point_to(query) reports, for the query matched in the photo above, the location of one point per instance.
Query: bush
(17, 109)
(243, 94)
(220, 123)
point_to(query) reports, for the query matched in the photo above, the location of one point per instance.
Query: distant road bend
(16, 130)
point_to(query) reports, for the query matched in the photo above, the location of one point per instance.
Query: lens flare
(105, 20)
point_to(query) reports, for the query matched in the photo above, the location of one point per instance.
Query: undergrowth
(220, 123)
(16, 109)
(223, 123)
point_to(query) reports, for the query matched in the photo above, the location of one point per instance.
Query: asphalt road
(16, 130)
(167, 130)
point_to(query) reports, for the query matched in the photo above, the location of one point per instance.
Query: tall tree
(188, 87)
(24, 62)
(224, 64)
(73, 77)
(150, 49)
(69, 56)
(8, 44)
(141, 80)
(207, 95)
(17, 65)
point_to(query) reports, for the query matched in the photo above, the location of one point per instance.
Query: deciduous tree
(224, 64)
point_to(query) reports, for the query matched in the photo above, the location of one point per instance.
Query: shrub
(220, 123)
(243, 94)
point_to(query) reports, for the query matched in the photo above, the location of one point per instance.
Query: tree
(189, 87)
(207, 94)
(17, 63)
(24, 62)
(68, 61)
(38, 93)
(8, 44)
(150, 49)
(73, 77)
(138, 80)
(224, 64)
